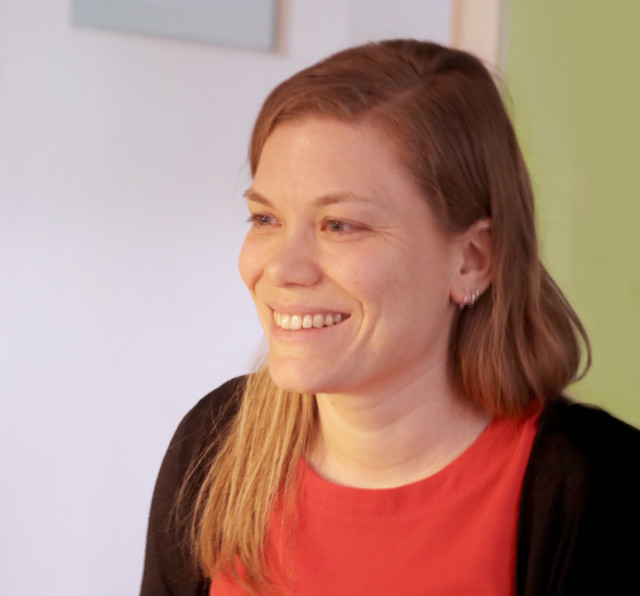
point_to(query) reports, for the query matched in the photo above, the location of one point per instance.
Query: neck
(392, 438)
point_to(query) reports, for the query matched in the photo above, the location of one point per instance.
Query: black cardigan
(579, 520)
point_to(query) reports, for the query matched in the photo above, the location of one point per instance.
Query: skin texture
(339, 226)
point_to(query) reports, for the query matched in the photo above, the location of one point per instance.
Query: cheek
(378, 276)
(361, 270)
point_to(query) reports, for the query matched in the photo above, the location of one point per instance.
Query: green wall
(573, 79)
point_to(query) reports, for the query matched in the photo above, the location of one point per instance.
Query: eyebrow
(321, 201)
(256, 197)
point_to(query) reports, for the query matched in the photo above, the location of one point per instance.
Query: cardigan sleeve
(169, 569)
(579, 524)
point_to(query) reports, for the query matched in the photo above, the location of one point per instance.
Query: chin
(298, 378)
(291, 383)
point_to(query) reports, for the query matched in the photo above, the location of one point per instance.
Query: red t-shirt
(453, 533)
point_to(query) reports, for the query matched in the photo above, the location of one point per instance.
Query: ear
(473, 274)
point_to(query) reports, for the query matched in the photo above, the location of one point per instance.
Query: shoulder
(578, 510)
(580, 456)
(209, 417)
(169, 569)
(573, 434)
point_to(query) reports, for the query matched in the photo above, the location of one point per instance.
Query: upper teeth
(295, 322)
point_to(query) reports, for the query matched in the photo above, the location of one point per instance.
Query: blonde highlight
(255, 465)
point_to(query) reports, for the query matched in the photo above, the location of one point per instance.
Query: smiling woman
(371, 256)
(408, 433)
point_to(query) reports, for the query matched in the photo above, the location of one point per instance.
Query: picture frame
(248, 24)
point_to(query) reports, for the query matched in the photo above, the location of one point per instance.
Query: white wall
(122, 163)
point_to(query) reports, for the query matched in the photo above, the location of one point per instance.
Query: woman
(407, 435)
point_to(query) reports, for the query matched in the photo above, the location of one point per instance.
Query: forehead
(319, 156)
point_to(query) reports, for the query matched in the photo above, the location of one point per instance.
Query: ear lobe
(474, 274)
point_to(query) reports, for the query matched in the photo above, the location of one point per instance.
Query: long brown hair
(521, 342)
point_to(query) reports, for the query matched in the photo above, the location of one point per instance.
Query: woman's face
(350, 276)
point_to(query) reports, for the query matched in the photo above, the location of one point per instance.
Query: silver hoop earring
(470, 299)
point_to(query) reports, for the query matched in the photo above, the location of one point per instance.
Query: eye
(335, 225)
(261, 220)
(338, 225)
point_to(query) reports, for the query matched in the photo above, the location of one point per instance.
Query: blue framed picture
(249, 24)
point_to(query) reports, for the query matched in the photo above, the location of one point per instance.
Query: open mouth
(307, 321)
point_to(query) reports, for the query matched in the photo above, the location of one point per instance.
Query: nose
(293, 261)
